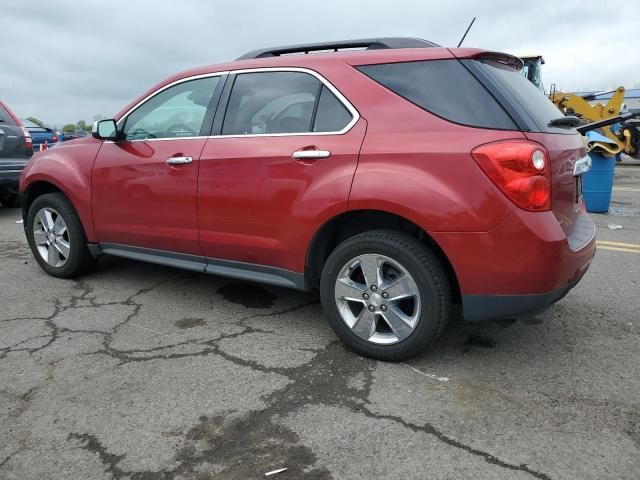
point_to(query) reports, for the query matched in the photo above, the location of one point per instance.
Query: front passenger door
(144, 186)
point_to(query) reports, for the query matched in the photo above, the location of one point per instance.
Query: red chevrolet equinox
(404, 180)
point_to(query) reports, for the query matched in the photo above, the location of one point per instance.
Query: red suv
(403, 179)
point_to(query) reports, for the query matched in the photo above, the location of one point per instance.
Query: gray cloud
(66, 60)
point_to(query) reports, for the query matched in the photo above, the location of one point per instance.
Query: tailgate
(566, 199)
(11, 142)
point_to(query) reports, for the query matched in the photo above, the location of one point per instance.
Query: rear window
(522, 96)
(445, 88)
(5, 117)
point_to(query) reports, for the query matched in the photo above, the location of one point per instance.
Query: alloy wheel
(51, 237)
(378, 299)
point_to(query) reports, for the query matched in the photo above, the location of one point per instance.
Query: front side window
(175, 112)
(282, 103)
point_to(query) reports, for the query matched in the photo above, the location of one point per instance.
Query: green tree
(38, 122)
(82, 125)
(69, 127)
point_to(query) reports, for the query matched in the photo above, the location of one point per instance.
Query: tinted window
(271, 102)
(445, 88)
(536, 109)
(173, 113)
(331, 115)
(5, 117)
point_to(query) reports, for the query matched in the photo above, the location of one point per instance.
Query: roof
(314, 61)
(324, 59)
(386, 43)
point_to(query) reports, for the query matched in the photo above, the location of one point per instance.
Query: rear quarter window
(331, 115)
(445, 88)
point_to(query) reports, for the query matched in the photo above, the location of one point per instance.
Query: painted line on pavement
(618, 246)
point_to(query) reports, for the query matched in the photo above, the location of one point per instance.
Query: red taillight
(27, 138)
(520, 169)
(55, 138)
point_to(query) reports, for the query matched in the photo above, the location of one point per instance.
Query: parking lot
(140, 371)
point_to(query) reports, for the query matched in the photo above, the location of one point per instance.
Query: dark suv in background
(15, 149)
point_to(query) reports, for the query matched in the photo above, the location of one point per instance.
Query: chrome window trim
(158, 139)
(355, 115)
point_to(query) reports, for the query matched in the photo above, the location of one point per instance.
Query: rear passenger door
(280, 161)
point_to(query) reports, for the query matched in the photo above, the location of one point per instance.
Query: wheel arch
(40, 187)
(353, 222)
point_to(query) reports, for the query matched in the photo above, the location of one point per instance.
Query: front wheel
(56, 236)
(385, 294)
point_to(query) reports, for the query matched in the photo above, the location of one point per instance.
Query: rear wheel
(385, 294)
(56, 236)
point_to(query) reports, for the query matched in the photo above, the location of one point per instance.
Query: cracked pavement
(137, 371)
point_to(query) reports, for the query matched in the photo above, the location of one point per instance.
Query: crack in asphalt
(321, 381)
(10, 456)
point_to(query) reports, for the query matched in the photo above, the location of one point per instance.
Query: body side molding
(226, 268)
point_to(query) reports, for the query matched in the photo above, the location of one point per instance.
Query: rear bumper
(521, 267)
(10, 170)
(494, 307)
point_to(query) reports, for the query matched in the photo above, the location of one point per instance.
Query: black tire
(80, 259)
(11, 200)
(420, 262)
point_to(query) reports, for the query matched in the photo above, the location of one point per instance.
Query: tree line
(69, 127)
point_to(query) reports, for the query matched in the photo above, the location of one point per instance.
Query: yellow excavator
(625, 134)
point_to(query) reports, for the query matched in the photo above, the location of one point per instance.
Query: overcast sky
(66, 60)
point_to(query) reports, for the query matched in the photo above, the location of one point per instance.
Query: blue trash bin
(598, 183)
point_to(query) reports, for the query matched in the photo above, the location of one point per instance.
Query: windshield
(532, 71)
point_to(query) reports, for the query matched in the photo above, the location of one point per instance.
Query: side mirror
(105, 130)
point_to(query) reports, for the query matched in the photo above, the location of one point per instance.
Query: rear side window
(271, 102)
(444, 88)
(282, 103)
(5, 117)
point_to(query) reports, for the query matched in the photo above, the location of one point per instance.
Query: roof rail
(365, 43)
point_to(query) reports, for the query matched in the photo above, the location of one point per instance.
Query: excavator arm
(625, 137)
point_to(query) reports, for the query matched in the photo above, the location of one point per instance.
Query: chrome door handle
(311, 154)
(178, 160)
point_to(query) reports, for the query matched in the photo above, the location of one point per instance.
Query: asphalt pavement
(137, 371)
